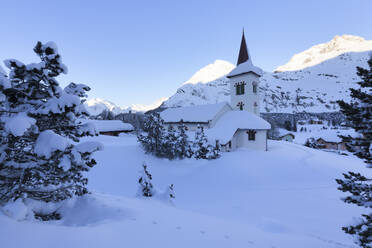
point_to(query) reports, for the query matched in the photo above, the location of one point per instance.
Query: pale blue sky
(139, 51)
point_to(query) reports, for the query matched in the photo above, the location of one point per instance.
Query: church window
(251, 135)
(254, 87)
(240, 88)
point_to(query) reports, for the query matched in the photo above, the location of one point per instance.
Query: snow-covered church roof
(231, 121)
(244, 64)
(199, 113)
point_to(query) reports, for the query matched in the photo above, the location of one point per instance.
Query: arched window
(254, 87)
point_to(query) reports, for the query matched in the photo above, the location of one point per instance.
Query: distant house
(315, 121)
(331, 145)
(283, 134)
(289, 137)
(111, 127)
(331, 140)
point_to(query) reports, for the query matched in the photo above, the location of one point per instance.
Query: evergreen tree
(146, 188)
(169, 149)
(358, 113)
(200, 144)
(183, 147)
(288, 125)
(153, 140)
(38, 159)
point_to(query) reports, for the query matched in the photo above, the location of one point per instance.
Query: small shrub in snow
(202, 149)
(146, 188)
(170, 192)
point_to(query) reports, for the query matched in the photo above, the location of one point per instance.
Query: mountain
(312, 81)
(322, 52)
(211, 72)
(95, 106)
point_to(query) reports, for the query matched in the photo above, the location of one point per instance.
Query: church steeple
(243, 52)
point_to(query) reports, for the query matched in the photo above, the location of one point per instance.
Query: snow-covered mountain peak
(95, 106)
(325, 51)
(211, 72)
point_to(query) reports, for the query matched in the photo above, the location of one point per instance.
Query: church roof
(199, 113)
(231, 121)
(243, 52)
(244, 64)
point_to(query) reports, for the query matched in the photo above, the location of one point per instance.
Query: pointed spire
(243, 53)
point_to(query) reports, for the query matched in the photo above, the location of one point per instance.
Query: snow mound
(16, 210)
(92, 209)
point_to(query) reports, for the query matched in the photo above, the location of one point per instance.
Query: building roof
(231, 121)
(283, 132)
(333, 136)
(199, 113)
(243, 52)
(110, 125)
(244, 64)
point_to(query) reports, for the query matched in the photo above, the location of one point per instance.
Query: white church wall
(240, 139)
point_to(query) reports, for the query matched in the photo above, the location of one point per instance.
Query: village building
(111, 127)
(289, 137)
(331, 140)
(237, 123)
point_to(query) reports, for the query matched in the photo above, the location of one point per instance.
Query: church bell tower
(244, 82)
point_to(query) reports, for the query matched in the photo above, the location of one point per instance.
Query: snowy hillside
(97, 105)
(322, 52)
(211, 72)
(327, 77)
(244, 199)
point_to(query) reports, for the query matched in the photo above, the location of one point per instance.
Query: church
(233, 124)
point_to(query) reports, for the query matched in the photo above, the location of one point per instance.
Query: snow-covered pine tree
(170, 143)
(183, 147)
(214, 152)
(39, 162)
(146, 188)
(152, 141)
(358, 113)
(200, 146)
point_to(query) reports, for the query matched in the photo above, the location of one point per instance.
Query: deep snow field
(286, 197)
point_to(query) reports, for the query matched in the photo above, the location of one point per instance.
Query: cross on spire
(243, 52)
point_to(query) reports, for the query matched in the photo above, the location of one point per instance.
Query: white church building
(235, 124)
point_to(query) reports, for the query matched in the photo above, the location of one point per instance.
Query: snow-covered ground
(285, 197)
